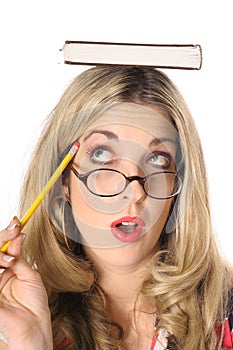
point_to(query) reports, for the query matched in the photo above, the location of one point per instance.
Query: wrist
(39, 342)
(37, 337)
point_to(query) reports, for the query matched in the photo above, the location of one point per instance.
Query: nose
(137, 191)
(134, 191)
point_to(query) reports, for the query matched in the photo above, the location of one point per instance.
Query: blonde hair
(189, 280)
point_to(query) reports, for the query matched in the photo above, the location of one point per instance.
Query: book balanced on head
(147, 55)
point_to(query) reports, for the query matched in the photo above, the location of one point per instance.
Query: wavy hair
(189, 280)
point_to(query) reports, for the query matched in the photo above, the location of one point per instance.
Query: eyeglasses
(110, 182)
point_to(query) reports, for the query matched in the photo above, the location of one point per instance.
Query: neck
(122, 286)
(127, 306)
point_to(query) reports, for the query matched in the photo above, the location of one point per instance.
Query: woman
(122, 254)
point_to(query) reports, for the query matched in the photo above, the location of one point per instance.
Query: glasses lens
(106, 182)
(162, 185)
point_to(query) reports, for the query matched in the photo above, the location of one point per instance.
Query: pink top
(159, 341)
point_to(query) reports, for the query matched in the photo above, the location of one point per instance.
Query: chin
(127, 256)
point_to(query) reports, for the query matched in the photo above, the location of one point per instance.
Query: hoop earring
(172, 217)
(69, 229)
(64, 225)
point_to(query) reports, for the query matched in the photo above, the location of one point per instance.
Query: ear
(66, 193)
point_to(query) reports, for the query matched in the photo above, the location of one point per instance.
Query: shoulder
(228, 326)
(63, 343)
(228, 333)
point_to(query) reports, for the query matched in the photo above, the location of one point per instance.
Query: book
(146, 55)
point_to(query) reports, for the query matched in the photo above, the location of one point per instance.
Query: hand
(24, 312)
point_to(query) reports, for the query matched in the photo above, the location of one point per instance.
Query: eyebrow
(111, 135)
(107, 133)
(157, 141)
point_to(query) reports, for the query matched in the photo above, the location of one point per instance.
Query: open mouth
(127, 229)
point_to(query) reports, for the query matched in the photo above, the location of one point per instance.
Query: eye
(100, 155)
(160, 160)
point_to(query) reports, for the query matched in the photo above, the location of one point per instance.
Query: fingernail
(2, 270)
(12, 227)
(8, 258)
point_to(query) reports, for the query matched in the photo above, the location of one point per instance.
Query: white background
(32, 80)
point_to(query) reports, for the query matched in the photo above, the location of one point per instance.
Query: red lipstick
(127, 228)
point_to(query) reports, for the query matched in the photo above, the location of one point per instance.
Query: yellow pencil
(46, 189)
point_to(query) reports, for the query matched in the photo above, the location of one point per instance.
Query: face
(124, 230)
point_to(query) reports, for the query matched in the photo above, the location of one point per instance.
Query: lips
(127, 228)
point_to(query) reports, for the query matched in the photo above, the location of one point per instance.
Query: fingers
(12, 230)
(15, 247)
(6, 260)
(13, 252)
(12, 234)
(12, 259)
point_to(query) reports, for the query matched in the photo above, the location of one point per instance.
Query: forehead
(130, 118)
